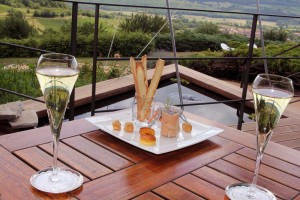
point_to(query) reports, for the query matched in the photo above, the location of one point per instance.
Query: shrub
(61, 44)
(45, 13)
(207, 28)
(86, 28)
(276, 35)
(190, 41)
(141, 22)
(16, 26)
(7, 51)
(131, 44)
(87, 13)
(127, 44)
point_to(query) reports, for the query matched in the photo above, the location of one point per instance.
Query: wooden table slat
(244, 175)
(297, 148)
(298, 197)
(121, 148)
(213, 176)
(266, 171)
(78, 161)
(282, 122)
(39, 159)
(158, 170)
(217, 178)
(286, 129)
(148, 196)
(12, 175)
(42, 135)
(282, 133)
(201, 187)
(272, 162)
(173, 191)
(291, 143)
(14, 179)
(98, 153)
(273, 149)
(286, 136)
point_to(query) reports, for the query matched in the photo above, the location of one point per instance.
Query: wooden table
(113, 169)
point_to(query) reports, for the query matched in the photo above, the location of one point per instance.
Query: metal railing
(245, 74)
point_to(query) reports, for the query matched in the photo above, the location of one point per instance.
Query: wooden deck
(287, 132)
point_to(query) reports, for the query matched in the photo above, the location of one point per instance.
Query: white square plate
(199, 133)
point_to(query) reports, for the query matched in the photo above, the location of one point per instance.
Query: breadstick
(144, 63)
(133, 71)
(140, 76)
(152, 88)
(141, 87)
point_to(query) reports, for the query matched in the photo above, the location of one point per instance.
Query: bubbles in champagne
(56, 84)
(56, 98)
(269, 106)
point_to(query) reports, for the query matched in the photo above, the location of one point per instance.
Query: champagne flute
(271, 94)
(57, 74)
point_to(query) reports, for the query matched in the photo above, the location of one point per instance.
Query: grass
(25, 82)
(54, 23)
(4, 9)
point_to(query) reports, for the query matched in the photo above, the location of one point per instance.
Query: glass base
(140, 124)
(66, 180)
(244, 191)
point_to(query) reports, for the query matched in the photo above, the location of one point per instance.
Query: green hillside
(278, 7)
(32, 3)
(287, 7)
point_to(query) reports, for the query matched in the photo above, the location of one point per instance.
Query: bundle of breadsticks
(145, 93)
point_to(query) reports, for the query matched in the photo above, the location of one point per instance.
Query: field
(228, 21)
(118, 14)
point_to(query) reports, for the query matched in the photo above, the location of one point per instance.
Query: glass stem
(55, 153)
(55, 134)
(259, 157)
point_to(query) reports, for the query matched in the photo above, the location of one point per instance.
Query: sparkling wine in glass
(57, 74)
(271, 95)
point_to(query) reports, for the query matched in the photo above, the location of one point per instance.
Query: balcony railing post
(73, 52)
(246, 73)
(174, 53)
(95, 54)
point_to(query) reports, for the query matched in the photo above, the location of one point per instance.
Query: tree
(144, 23)
(16, 26)
(86, 28)
(276, 35)
(33, 3)
(208, 28)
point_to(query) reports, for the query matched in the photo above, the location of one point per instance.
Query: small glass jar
(142, 110)
(170, 122)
